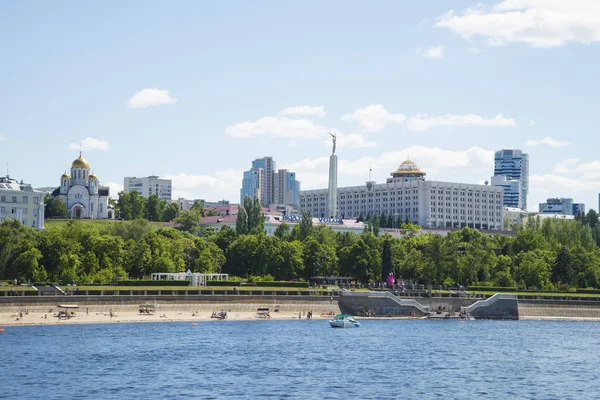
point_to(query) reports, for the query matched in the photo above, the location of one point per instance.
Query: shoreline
(164, 312)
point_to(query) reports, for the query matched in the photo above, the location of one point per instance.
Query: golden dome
(93, 177)
(80, 163)
(65, 176)
(408, 168)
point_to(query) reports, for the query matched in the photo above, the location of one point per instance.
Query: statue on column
(334, 138)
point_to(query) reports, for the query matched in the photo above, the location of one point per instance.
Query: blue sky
(195, 90)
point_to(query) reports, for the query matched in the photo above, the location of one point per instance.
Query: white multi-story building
(148, 186)
(20, 202)
(407, 194)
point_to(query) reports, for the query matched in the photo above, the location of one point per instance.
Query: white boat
(343, 321)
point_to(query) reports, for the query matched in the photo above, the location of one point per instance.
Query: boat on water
(344, 321)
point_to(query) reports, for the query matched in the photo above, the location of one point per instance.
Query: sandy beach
(94, 314)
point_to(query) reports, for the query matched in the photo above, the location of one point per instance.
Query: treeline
(547, 255)
(131, 206)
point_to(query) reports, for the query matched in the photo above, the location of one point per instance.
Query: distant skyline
(194, 91)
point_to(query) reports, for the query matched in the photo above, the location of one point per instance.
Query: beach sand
(94, 314)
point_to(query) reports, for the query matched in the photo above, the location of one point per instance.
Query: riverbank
(167, 312)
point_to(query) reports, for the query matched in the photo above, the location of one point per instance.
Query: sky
(195, 90)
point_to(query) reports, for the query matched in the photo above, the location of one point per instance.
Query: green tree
(562, 270)
(386, 259)
(171, 212)
(306, 225)
(153, 211)
(375, 224)
(189, 221)
(241, 222)
(55, 207)
(283, 231)
(319, 260)
(28, 267)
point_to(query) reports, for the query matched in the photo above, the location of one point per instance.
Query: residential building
(431, 204)
(563, 206)
(149, 185)
(514, 217)
(511, 172)
(186, 204)
(19, 201)
(270, 187)
(82, 193)
(287, 188)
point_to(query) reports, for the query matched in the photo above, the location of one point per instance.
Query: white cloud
(473, 50)
(547, 141)
(566, 166)
(277, 127)
(222, 184)
(538, 23)
(373, 118)
(351, 140)
(318, 111)
(1, 138)
(150, 97)
(90, 144)
(114, 189)
(434, 52)
(423, 122)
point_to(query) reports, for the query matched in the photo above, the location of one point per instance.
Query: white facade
(430, 204)
(149, 185)
(82, 193)
(20, 202)
(515, 216)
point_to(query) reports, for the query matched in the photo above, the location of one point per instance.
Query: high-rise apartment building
(270, 187)
(511, 171)
(287, 188)
(148, 186)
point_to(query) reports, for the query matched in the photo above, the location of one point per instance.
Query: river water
(303, 360)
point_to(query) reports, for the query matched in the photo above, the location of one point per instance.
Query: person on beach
(87, 311)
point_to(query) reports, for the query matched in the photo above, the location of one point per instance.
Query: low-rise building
(19, 201)
(514, 216)
(564, 206)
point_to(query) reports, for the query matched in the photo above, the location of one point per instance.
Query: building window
(25, 199)
(14, 199)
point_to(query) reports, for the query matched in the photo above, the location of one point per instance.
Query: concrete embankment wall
(559, 309)
(170, 303)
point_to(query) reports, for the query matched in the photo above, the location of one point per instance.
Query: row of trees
(545, 254)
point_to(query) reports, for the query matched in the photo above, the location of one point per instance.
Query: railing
(488, 302)
(388, 295)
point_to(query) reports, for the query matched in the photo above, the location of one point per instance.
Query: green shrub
(154, 283)
(223, 283)
(284, 284)
(492, 289)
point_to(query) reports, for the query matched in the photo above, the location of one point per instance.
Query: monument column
(332, 210)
